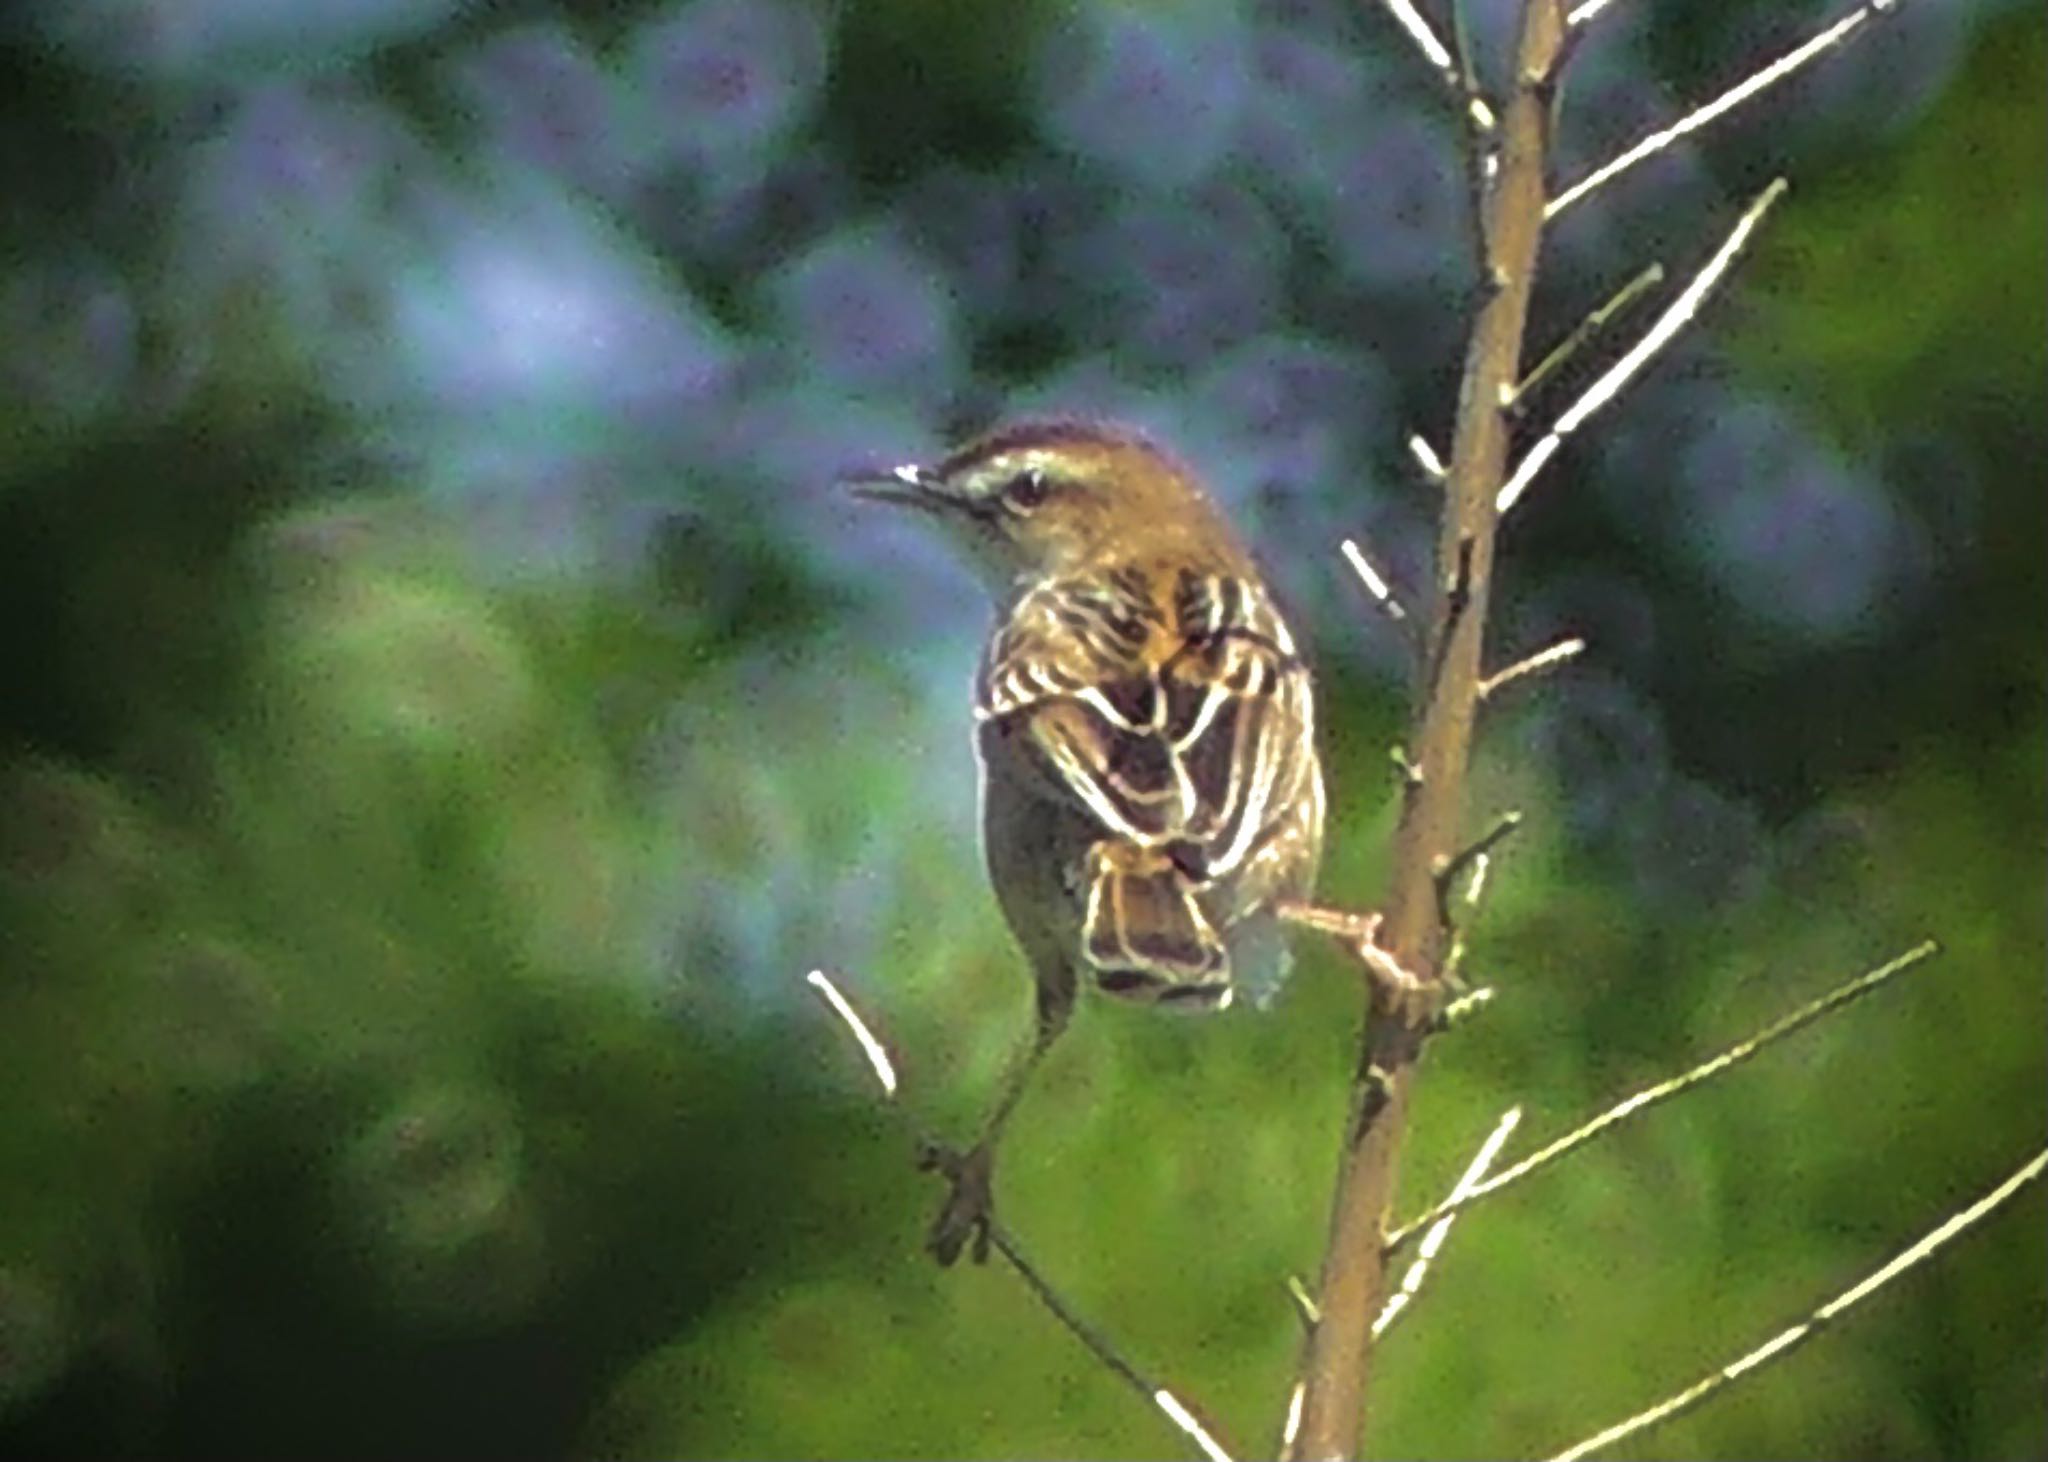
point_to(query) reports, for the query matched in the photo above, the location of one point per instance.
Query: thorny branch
(1336, 1371)
(1411, 1281)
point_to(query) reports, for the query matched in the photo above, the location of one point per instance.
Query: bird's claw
(970, 1202)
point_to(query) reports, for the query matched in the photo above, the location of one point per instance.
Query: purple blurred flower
(1170, 280)
(1151, 92)
(541, 98)
(1605, 748)
(721, 82)
(863, 311)
(1793, 535)
(1692, 849)
(292, 207)
(521, 300)
(1308, 106)
(973, 225)
(1282, 416)
(174, 37)
(1391, 212)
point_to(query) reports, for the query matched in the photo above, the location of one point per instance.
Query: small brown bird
(1146, 731)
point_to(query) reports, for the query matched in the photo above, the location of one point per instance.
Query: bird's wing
(1183, 726)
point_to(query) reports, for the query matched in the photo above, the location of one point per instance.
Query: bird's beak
(909, 486)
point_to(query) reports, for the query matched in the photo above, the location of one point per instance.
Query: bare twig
(1664, 1091)
(1676, 316)
(1411, 1282)
(1005, 1243)
(1557, 654)
(1290, 1430)
(1464, 1008)
(870, 1047)
(1790, 1339)
(1304, 1303)
(1176, 1411)
(1477, 886)
(1426, 458)
(1337, 1370)
(1586, 11)
(1650, 276)
(1758, 81)
(1375, 583)
(1447, 66)
(1448, 869)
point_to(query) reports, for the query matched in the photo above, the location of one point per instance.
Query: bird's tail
(1146, 935)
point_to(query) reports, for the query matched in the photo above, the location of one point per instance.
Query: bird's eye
(1026, 490)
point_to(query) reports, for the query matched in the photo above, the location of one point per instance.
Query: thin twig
(1304, 1303)
(1585, 12)
(1664, 1091)
(1676, 316)
(1477, 886)
(1174, 1409)
(1290, 1430)
(1557, 654)
(1005, 1244)
(1425, 457)
(1651, 276)
(870, 1047)
(1786, 65)
(1472, 106)
(1790, 1339)
(1447, 871)
(1463, 1009)
(1432, 1241)
(1482, 154)
(1376, 585)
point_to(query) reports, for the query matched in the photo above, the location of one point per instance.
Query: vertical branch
(1337, 1374)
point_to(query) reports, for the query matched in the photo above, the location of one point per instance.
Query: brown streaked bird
(1146, 731)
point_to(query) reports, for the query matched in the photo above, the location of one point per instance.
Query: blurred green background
(445, 709)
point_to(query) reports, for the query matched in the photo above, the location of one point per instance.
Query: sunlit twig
(1542, 660)
(1426, 457)
(1438, 56)
(870, 1047)
(1584, 12)
(1676, 316)
(1794, 1336)
(1375, 582)
(1664, 1091)
(1758, 81)
(1005, 1243)
(1650, 276)
(1432, 1241)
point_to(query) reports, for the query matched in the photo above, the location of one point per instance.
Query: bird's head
(1040, 498)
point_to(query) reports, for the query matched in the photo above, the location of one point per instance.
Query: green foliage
(403, 1047)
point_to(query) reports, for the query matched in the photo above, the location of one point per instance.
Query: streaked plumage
(1146, 730)
(1164, 718)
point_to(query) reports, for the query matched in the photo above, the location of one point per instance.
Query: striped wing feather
(1181, 727)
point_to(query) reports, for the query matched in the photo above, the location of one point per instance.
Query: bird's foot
(970, 1202)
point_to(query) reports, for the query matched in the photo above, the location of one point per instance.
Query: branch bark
(1336, 1374)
